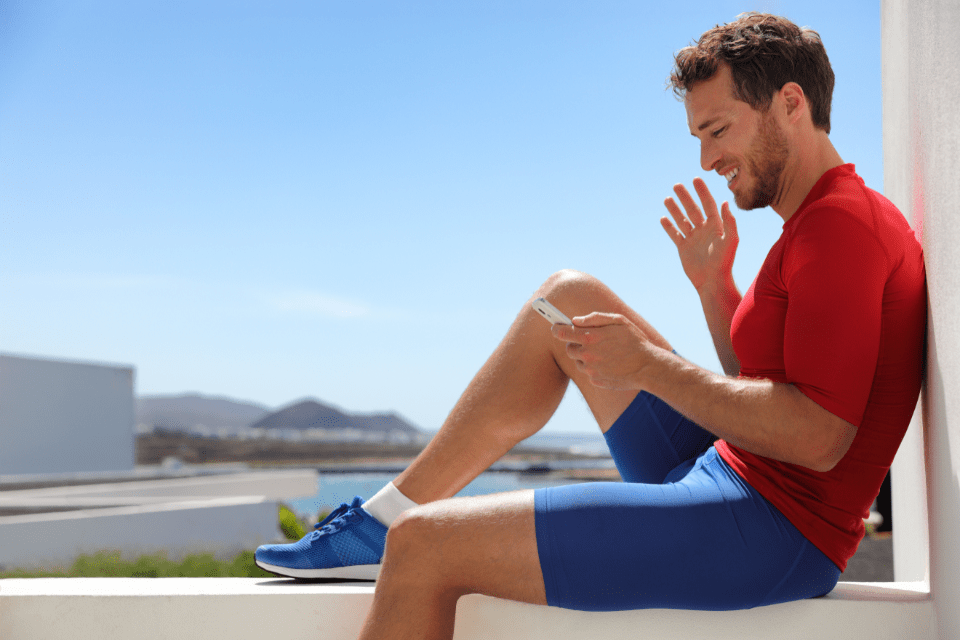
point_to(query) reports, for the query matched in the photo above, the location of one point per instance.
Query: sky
(351, 201)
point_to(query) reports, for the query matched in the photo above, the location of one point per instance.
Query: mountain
(187, 412)
(387, 422)
(183, 412)
(311, 414)
(306, 414)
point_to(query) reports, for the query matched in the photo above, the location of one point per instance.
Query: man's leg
(440, 551)
(702, 540)
(517, 391)
(446, 548)
(512, 397)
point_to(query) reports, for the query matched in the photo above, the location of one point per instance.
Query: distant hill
(182, 412)
(311, 414)
(305, 414)
(186, 412)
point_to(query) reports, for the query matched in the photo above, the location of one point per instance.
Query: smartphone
(550, 312)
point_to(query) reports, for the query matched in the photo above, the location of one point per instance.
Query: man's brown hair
(764, 52)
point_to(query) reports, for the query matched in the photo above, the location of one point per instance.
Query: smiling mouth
(731, 176)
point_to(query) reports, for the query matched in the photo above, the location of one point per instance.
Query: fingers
(684, 227)
(670, 229)
(706, 198)
(575, 353)
(694, 217)
(568, 334)
(693, 211)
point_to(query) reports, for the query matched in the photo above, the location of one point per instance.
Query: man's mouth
(731, 175)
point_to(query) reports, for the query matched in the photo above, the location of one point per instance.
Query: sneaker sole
(355, 572)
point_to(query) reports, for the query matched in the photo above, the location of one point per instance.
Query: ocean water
(335, 488)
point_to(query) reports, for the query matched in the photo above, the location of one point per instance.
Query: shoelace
(339, 517)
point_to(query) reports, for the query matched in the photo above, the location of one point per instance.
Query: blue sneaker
(348, 543)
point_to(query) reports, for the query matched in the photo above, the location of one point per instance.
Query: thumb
(597, 319)
(729, 222)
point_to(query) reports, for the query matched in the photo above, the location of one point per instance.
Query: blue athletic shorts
(682, 531)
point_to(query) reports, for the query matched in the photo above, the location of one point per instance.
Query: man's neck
(814, 158)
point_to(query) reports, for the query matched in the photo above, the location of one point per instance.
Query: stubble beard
(766, 159)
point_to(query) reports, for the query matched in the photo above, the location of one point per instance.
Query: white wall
(64, 416)
(259, 609)
(221, 526)
(921, 100)
(221, 514)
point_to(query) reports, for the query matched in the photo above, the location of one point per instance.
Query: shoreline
(331, 457)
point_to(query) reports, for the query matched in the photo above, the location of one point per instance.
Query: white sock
(388, 504)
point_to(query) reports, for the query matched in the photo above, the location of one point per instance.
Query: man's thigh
(705, 540)
(480, 544)
(651, 439)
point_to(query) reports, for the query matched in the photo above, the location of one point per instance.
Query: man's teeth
(730, 176)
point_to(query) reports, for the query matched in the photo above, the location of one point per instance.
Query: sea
(338, 485)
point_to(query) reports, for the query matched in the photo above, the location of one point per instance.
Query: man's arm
(707, 245)
(767, 418)
(720, 301)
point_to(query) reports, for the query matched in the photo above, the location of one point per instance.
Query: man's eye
(719, 131)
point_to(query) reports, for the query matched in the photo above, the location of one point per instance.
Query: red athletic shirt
(838, 310)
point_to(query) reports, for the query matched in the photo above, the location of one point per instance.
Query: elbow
(824, 463)
(834, 446)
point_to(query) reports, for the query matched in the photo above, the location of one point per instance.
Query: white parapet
(220, 514)
(240, 608)
(222, 526)
(281, 484)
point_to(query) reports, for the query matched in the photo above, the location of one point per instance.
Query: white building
(65, 417)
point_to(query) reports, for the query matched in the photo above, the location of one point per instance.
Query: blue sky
(352, 200)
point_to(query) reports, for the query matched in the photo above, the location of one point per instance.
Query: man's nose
(709, 155)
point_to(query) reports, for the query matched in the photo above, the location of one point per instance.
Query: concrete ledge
(222, 514)
(238, 608)
(283, 483)
(178, 528)
(888, 611)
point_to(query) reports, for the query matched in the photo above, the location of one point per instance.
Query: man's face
(745, 146)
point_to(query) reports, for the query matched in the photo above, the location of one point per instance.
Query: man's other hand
(707, 245)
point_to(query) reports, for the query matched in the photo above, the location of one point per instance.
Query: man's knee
(569, 290)
(410, 534)
(568, 282)
(417, 543)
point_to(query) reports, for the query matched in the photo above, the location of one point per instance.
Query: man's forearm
(766, 418)
(720, 301)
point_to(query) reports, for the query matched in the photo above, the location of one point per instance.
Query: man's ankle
(387, 505)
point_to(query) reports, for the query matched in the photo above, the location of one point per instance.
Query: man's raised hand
(707, 244)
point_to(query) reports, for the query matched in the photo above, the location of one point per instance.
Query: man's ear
(794, 101)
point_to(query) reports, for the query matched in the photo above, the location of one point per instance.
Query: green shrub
(244, 566)
(203, 566)
(290, 525)
(108, 564)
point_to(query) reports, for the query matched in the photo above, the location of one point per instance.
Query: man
(740, 490)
